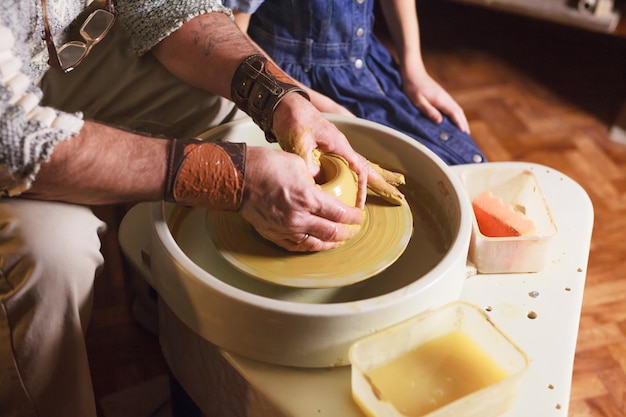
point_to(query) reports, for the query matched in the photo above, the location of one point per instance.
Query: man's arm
(205, 52)
(236, 44)
(103, 165)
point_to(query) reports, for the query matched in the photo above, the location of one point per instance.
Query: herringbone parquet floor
(533, 91)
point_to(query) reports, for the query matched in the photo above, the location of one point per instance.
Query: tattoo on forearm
(211, 35)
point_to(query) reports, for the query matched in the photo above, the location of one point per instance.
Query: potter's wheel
(383, 237)
(314, 327)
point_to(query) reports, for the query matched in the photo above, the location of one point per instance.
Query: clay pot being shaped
(338, 179)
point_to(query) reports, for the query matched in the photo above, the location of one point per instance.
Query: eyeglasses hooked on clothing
(93, 30)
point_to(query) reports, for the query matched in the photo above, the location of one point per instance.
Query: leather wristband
(257, 87)
(206, 174)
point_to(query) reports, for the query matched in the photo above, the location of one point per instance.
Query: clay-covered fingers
(391, 177)
(283, 203)
(384, 183)
(306, 133)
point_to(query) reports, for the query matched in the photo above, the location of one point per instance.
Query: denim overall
(329, 46)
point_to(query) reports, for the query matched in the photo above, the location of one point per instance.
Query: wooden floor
(533, 91)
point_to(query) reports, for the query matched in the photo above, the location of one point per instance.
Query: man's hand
(283, 203)
(302, 130)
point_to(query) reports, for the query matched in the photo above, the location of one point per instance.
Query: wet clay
(294, 141)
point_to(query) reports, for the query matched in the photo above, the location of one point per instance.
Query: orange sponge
(498, 219)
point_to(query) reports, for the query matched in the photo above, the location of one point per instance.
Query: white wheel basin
(316, 327)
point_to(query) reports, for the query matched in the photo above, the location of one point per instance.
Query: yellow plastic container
(448, 362)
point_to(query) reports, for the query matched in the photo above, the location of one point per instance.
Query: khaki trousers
(50, 252)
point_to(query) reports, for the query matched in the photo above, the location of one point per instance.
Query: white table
(554, 295)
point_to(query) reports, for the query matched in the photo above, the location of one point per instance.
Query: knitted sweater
(28, 131)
